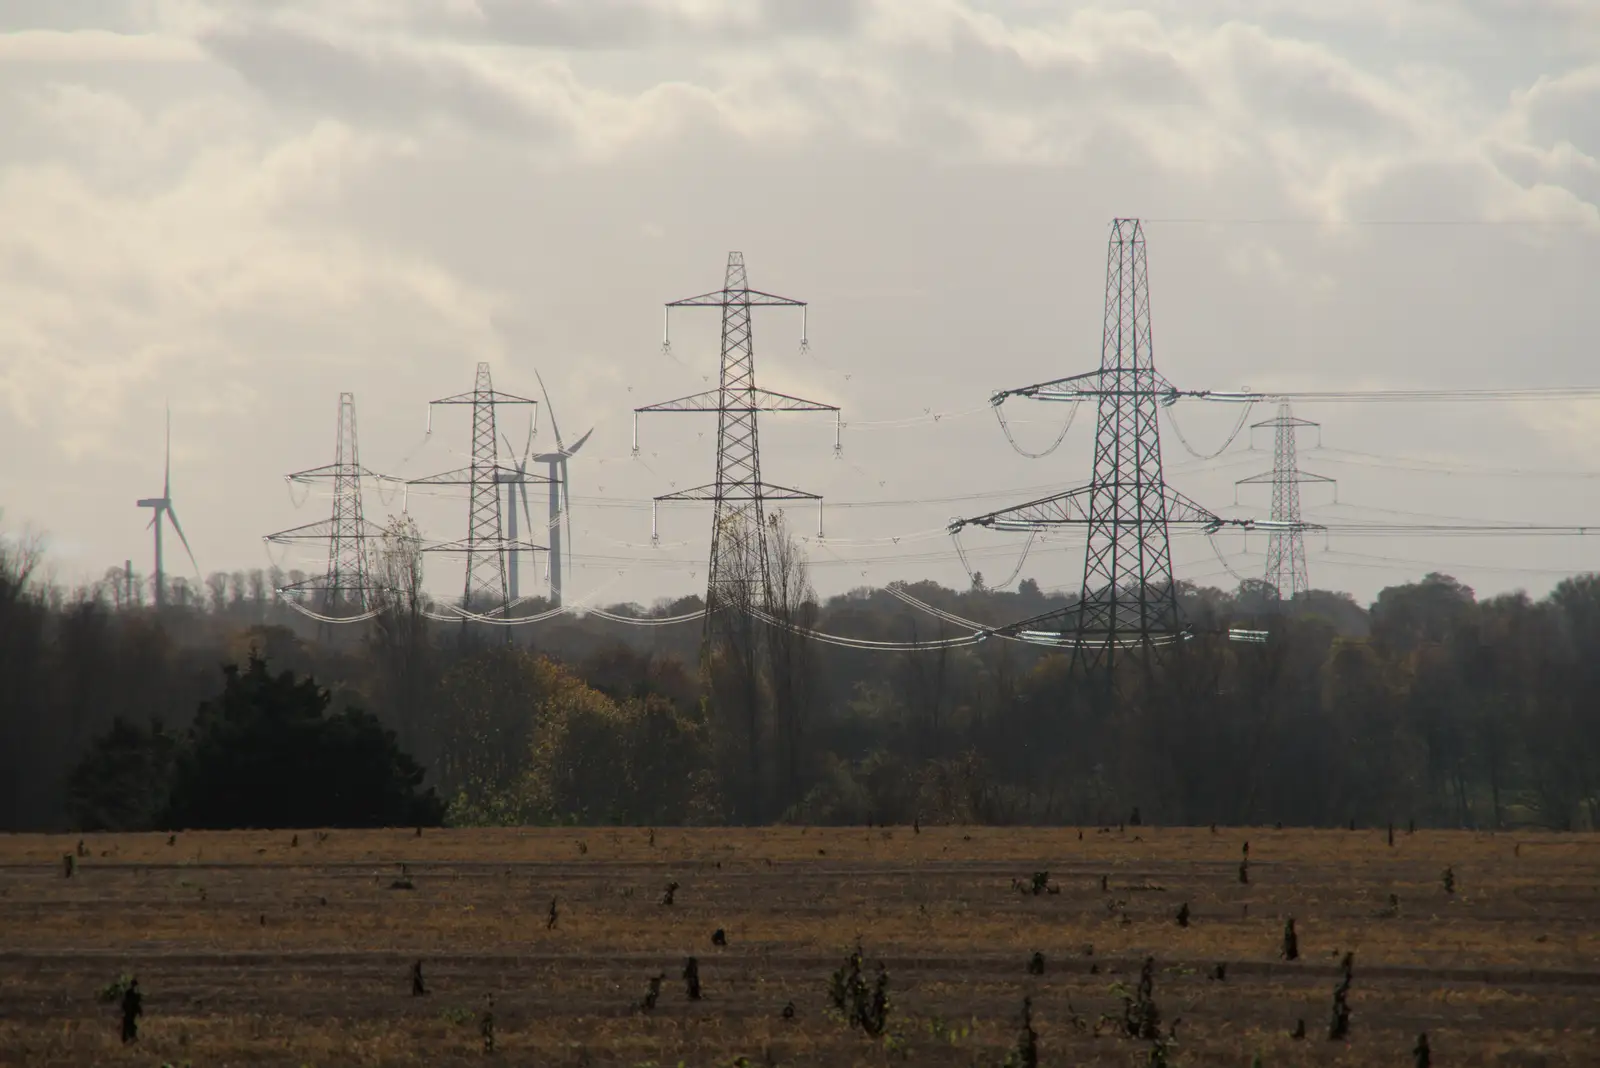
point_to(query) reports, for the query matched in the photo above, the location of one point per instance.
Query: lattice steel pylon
(1128, 599)
(1286, 545)
(343, 589)
(485, 545)
(738, 573)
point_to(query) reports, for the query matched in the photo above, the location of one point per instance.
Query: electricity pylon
(738, 574)
(1128, 599)
(343, 589)
(1286, 546)
(486, 544)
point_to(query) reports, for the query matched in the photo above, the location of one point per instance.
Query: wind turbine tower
(162, 506)
(560, 493)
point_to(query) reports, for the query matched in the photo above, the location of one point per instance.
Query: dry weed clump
(132, 1009)
(691, 978)
(861, 1006)
(652, 993)
(1339, 1024)
(486, 1025)
(1025, 1054)
(418, 987)
(1038, 884)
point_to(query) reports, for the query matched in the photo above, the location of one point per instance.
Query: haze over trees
(1429, 705)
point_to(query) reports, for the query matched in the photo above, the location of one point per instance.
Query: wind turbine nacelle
(151, 502)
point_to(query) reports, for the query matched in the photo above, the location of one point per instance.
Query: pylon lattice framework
(738, 572)
(1128, 599)
(485, 545)
(344, 587)
(1286, 545)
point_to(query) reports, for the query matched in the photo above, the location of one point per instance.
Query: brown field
(251, 949)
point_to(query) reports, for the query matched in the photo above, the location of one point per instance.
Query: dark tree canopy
(1431, 704)
(265, 753)
(121, 785)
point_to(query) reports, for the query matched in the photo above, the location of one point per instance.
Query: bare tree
(217, 585)
(399, 637)
(791, 654)
(733, 669)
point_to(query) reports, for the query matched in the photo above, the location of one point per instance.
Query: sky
(242, 209)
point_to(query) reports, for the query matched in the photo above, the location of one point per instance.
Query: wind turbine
(515, 484)
(162, 506)
(560, 498)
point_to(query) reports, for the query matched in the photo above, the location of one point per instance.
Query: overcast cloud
(244, 208)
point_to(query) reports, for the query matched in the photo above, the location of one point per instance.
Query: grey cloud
(375, 83)
(1566, 109)
(614, 24)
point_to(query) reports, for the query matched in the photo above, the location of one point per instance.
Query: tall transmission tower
(1128, 599)
(1286, 545)
(486, 545)
(738, 573)
(343, 589)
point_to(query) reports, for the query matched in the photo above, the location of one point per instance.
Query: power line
(1424, 465)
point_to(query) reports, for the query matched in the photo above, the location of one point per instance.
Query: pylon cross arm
(321, 530)
(463, 476)
(468, 545)
(1268, 477)
(722, 297)
(1056, 510)
(488, 396)
(739, 400)
(1090, 384)
(332, 471)
(1072, 508)
(748, 491)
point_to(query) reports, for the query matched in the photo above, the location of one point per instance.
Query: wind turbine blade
(166, 482)
(509, 450)
(554, 428)
(579, 443)
(173, 515)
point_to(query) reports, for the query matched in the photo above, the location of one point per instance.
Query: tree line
(1429, 705)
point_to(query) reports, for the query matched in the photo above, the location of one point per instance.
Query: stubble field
(295, 948)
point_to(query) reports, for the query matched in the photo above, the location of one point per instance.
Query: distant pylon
(343, 589)
(738, 572)
(485, 545)
(1286, 545)
(1128, 599)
